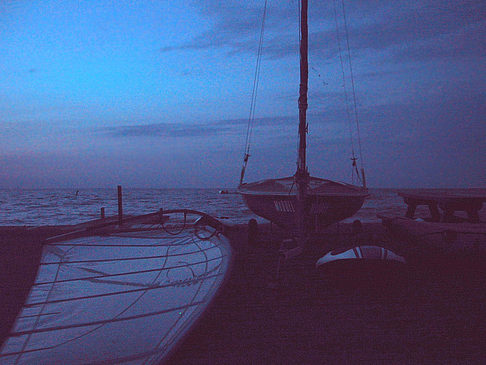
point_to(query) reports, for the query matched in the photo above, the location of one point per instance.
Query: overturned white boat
(365, 253)
(116, 294)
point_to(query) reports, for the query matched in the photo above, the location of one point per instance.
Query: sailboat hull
(327, 202)
(324, 210)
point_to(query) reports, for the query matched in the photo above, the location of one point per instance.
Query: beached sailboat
(301, 202)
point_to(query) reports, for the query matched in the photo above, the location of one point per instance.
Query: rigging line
(155, 233)
(37, 315)
(346, 97)
(118, 360)
(118, 315)
(114, 245)
(202, 277)
(254, 91)
(183, 312)
(213, 289)
(43, 306)
(352, 84)
(253, 98)
(256, 81)
(121, 258)
(88, 278)
(94, 323)
(181, 242)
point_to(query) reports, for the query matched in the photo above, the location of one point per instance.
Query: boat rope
(103, 321)
(204, 223)
(254, 92)
(127, 308)
(110, 260)
(353, 89)
(354, 168)
(183, 312)
(127, 273)
(177, 232)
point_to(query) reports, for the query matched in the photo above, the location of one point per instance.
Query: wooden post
(411, 206)
(434, 212)
(102, 212)
(252, 232)
(120, 206)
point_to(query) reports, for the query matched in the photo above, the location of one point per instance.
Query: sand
(20, 253)
(430, 311)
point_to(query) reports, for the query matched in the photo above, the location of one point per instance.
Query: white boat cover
(360, 253)
(120, 298)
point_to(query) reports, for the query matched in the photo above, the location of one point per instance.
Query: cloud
(411, 30)
(416, 24)
(464, 43)
(208, 129)
(434, 29)
(425, 142)
(165, 130)
(235, 27)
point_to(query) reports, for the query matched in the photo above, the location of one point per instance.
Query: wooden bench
(447, 202)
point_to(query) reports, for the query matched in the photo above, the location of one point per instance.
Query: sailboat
(302, 203)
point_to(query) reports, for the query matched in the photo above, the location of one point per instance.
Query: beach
(361, 126)
(425, 313)
(428, 311)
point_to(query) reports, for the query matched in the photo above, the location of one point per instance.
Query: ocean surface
(67, 206)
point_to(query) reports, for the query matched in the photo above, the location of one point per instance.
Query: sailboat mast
(302, 175)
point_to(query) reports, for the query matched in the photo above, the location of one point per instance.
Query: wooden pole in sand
(120, 206)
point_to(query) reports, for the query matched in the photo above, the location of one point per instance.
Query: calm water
(51, 207)
(63, 206)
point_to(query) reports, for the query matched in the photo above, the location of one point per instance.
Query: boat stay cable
(360, 176)
(354, 168)
(254, 93)
(354, 93)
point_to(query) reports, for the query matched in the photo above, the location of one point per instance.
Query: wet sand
(430, 311)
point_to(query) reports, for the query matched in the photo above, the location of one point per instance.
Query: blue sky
(157, 93)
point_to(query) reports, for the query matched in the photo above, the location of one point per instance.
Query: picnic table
(443, 204)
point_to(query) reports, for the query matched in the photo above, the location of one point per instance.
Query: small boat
(120, 294)
(373, 269)
(301, 202)
(368, 253)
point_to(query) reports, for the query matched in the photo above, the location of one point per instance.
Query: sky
(156, 94)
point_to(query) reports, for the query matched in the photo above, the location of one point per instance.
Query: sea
(40, 207)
